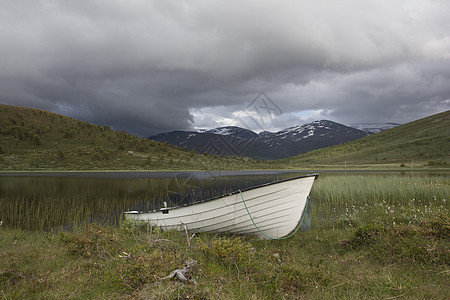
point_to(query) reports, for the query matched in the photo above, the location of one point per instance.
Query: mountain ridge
(267, 145)
(425, 141)
(372, 128)
(35, 139)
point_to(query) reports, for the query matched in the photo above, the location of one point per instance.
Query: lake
(55, 201)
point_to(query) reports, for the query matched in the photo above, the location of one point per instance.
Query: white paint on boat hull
(275, 208)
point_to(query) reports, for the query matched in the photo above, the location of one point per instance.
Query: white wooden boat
(272, 210)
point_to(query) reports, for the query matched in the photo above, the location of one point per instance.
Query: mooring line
(274, 238)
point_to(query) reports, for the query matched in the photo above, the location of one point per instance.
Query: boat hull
(275, 209)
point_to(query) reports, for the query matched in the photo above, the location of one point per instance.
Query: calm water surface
(46, 201)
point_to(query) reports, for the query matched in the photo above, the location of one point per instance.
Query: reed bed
(386, 199)
(333, 260)
(54, 203)
(42, 203)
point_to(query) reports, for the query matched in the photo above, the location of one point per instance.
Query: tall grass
(384, 261)
(45, 203)
(392, 199)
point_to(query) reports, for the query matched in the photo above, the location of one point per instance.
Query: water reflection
(62, 200)
(48, 202)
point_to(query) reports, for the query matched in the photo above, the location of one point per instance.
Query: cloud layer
(151, 66)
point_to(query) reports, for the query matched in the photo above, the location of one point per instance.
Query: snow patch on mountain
(316, 128)
(372, 128)
(233, 131)
(288, 142)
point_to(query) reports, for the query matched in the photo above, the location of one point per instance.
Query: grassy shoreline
(128, 263)
(311, 168)
(384, 237)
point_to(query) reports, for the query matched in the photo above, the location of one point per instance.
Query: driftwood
(181, 274)
(187, 236)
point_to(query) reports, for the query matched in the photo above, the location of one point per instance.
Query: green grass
(44, 203)
(33, 139)
(384, 199)
(37, 140)
(422, 143)
(364, 250)
(316, 264)
(48, 202)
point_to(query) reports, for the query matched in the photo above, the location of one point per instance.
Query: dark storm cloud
(152, 66)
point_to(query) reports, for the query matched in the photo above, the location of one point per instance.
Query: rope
(274, 238)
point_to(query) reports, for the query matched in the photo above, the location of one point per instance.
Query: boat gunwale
(316, 175)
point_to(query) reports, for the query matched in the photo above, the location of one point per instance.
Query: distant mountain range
(237, 141)
(374, 127)
(233, 131)
(33, 139)
(424, 142)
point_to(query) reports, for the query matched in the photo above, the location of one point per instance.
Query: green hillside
(33, 139)
(425, 142)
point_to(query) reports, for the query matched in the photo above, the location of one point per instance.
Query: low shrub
(367, 235)
(426, 242)
(88, 242)
(227, 250)
(131, 274)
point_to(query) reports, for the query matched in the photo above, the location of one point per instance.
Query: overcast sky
(151, 66)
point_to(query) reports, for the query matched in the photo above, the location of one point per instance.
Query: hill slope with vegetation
(34, 139)
(425, 142)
